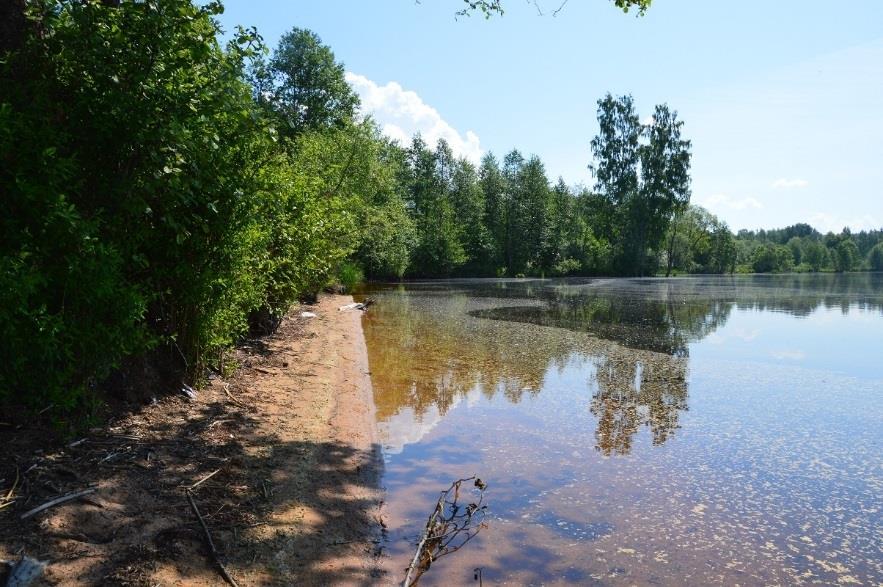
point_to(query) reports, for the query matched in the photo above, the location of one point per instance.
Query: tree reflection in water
(431, 344)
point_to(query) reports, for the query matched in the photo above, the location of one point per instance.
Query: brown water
(721, 430)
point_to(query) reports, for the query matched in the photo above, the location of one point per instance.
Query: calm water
(720, 430)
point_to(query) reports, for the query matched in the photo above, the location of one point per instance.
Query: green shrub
(131, 209)
(349, 276)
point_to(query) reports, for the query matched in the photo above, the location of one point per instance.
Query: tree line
(165, 195)
(802, 248)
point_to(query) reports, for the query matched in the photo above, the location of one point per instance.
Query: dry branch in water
(450, 526)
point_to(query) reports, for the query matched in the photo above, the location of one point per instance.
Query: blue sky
(782, 99)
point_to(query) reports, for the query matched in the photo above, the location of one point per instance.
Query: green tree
(845, 255)
(875, 257)
(528, 220)
(512, 166)
(439, 251)
(557, 230)
(722, 258)
(493, 188)
(468, 202)
(304, 86)
(795, 244)
(768, 258)
(645, 184)
(815, 255)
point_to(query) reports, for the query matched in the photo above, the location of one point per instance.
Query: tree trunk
(671, 247)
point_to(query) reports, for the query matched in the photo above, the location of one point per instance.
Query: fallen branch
(230, 396)
(449, 528)
(57, 501)
(211, 543)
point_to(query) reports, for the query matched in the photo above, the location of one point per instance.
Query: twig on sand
(57, 501)
(233, 399)
(204, 479)
(209, 541)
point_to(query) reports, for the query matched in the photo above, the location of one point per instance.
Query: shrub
(349, 276)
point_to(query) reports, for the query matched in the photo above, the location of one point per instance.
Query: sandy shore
(294, 497)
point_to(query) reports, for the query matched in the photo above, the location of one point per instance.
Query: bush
(566, 266)
(134, 174)
(349, 276)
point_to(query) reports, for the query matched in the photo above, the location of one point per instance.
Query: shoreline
(289, 445)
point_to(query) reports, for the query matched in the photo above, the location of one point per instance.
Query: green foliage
(875, 257)
(814, 255)
(697, 242)
(644, 183)
(304, 86)
(845, 255)
(495, 7)
(128, 190)
(147, 200)
(349, 276)
(769, 258)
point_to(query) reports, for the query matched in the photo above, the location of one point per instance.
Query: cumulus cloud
(788, 184)
(719, 201)
(402, 113)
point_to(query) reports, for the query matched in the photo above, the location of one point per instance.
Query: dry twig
(204, 479)
(210, 542)
(233, 399)
(449, 528)
(57, 501)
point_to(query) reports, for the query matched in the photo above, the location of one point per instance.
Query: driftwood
(57, 501)
(450, 526)
(358, 306)
(209, 541)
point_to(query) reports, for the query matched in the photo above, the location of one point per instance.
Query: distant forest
(165, 195)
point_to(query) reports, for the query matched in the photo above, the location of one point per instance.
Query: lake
(697, 430)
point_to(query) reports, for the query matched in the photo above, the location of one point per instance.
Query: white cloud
(787, 184)
(788, 355)
(402, 113)
(825, 222)
(721, 201)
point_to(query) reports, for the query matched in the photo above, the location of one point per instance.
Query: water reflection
(432, 344)
(725, 430)
(632, 393)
